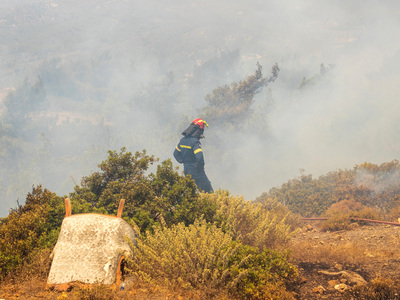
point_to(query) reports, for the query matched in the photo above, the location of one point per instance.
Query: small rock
(302, 279)
(341, 287)
(349, 275)
(333, 283)
(320, 289)
(339, 267)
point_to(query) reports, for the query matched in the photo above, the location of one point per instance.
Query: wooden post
(121, 207)
(67, 207)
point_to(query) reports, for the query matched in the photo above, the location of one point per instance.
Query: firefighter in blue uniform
(189, 153)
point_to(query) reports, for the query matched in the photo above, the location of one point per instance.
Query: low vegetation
(213, 243)
(366, 185)
(202, 245)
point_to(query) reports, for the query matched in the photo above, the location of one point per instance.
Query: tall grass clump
(202, 256)
(252, 223)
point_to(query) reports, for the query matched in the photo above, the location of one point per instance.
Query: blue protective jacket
(189, 152)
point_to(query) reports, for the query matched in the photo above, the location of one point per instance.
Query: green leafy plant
(148, 197)
(252, 223)
(201, 256)
(29, 228)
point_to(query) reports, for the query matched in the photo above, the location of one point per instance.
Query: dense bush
(251, 223)
(29, 228)
(367, 185)
(165, 194)
(147, 197)
(204, 257)
(211, 242)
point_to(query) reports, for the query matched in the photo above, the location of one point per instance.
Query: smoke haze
(87, 77)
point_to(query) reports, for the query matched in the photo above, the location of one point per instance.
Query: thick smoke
(107, 74)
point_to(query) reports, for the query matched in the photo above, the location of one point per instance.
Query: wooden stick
(67, 207)
(121, 207)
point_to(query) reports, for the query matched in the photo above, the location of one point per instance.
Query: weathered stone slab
(89, 249)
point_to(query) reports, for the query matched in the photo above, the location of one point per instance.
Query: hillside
(81, 78)
(369, 251)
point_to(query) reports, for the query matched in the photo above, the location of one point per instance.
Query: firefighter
(189, 152)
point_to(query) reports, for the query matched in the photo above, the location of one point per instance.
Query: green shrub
(251, 222)
(201, 256)
(261, 274)
(29, 228)
(165, 194)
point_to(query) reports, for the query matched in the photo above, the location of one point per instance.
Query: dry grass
(356, 247)
(347, 253)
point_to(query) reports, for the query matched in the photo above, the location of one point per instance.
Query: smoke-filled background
(79, 78)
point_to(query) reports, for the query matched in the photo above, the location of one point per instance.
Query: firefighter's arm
(198, 153)
(178, 154)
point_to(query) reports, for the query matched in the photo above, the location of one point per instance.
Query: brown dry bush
(340, 217)
(394, 215)
(336, 223)
(370, 213)
(343, 207)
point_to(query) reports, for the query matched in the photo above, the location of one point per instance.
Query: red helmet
(199, 123)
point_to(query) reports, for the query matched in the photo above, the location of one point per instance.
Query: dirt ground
(331, 262)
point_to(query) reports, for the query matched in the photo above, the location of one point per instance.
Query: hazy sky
(346, 117)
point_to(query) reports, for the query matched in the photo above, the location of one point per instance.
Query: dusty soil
(331, 262)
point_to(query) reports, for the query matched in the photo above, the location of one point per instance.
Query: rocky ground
(332, 262)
